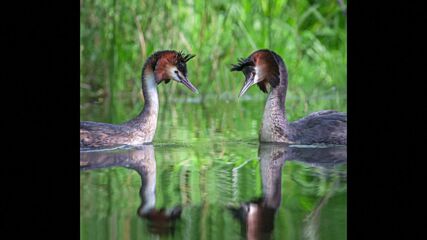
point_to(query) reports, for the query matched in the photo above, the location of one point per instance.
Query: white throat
(150, 87)
(257, 74)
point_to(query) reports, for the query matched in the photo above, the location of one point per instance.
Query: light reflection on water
(226, 190)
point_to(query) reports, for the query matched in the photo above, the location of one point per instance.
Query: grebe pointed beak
(188, 84)
(181, 78)
(248, 83)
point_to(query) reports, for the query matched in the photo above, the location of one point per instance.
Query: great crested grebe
(160, 66)
(267, 69)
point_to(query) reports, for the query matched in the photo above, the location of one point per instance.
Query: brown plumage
(160, 66)
(267, 69)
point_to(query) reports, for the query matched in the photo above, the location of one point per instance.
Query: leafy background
(117, 36)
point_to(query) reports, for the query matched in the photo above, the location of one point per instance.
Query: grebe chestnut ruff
(267, 69)
(160, 66)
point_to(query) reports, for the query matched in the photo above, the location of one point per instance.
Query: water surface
(207, 177)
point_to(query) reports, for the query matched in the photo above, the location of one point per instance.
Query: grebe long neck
(274, 126)
(146, 122)
(151, 98)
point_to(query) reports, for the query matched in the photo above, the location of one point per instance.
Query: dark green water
(207, 177)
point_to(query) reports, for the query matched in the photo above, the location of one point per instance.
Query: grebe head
(172, 65)
(259, 68)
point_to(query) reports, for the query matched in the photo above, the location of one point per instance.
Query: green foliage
(117, 37)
